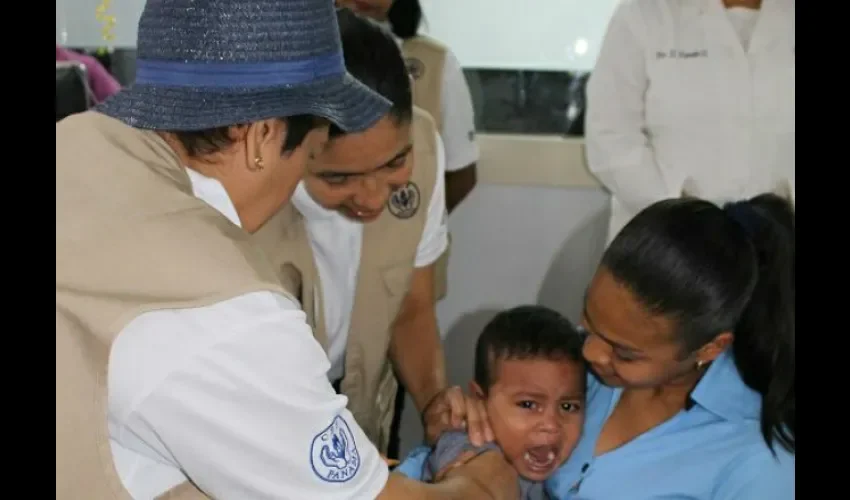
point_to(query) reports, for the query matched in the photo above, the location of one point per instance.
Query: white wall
(521, 34)
(77, 25)
(506, 34)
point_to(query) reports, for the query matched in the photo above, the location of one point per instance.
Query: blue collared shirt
(713, 451)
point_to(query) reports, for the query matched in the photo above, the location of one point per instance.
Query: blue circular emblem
(333, 454)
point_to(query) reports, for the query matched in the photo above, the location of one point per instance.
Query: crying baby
(531, 376)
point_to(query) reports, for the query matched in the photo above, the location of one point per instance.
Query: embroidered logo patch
(404, 202)
(334, 454)
(415, 67)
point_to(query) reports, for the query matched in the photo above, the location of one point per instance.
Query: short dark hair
(213, 140)
(404, 17)
(714, 270)
(373, 57)
(525, 332)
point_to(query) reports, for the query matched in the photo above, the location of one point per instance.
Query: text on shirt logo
(681, 54)
(333, 454)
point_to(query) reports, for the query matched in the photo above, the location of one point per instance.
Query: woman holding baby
(691, 352)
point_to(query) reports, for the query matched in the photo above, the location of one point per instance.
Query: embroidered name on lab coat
(681, 54)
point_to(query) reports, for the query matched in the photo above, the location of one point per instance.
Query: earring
(258, 164)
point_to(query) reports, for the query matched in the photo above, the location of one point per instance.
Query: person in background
(690, 323)
(185, 367)
(691, 340)
(531, 376)
(693, 98)
(440, 89)
(101, 82)
(373, 202)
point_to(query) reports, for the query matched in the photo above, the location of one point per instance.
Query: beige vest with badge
(130, 238)
(387, 261)
(425, 58)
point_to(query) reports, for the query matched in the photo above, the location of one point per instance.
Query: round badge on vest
(404, 202)
(415, 67)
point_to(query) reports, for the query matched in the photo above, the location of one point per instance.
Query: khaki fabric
(286, 243)
(387, 262)
(130, 238)
(425, 58)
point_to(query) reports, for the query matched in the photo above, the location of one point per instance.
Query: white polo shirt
(236, 397)
(336, 242)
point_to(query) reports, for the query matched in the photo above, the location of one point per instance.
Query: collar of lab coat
(775, 21)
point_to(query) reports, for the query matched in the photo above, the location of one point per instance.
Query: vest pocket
(397, 278)
(397, 283)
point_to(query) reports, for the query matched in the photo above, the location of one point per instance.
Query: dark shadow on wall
(459, 344)
(573, 267)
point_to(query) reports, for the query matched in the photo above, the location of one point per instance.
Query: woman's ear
(262, 140)
(710, 351)
(264, 132)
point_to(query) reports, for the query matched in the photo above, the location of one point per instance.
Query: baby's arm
(452, 446)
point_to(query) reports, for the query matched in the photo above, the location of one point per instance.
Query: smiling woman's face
(356, 173)
(627, 346)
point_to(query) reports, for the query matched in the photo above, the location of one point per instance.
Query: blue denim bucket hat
(211, 63)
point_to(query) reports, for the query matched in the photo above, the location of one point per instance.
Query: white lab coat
(677, 102)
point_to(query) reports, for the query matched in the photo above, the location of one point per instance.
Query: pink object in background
(102, 83)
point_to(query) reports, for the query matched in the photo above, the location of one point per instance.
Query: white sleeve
(458, 128)
(618, 149)
(435, 238)
(249, 414)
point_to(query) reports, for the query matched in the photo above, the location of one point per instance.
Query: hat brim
(343, 100)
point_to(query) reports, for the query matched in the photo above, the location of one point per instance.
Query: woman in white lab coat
(693, 97)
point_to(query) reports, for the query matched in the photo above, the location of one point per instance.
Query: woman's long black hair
(719, 270)
(404, 17)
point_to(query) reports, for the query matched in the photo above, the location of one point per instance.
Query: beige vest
(387, 261)
(130, 238)
(425, 58)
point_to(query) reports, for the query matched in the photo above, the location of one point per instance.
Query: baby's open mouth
(541, 459)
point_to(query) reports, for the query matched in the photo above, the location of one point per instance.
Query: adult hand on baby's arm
(451, 409)
(461, 459)
(414, 464)
(495, 477)
(477, 422)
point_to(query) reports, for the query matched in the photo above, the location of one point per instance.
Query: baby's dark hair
(525, 332)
